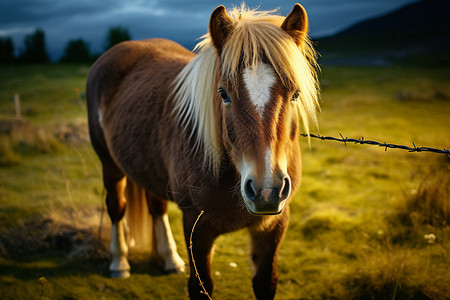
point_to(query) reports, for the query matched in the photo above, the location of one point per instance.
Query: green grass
(360, 225)
(48, 94)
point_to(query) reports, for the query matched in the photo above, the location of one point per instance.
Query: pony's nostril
(249, 189)
(285, 190)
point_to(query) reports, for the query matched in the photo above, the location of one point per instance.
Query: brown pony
(213, 131)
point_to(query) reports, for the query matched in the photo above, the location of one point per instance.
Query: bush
(6, 50)
(77, 51)
(35, 48)
(115, 35)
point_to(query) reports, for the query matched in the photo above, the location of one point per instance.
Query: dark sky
(182, 21)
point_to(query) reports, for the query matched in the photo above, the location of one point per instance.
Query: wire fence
(375, 143)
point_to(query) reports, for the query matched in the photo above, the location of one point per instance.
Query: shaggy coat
(214, 131)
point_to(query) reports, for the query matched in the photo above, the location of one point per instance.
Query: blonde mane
(257, 36)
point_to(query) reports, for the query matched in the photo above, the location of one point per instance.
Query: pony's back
(127, 89)
(147, 56)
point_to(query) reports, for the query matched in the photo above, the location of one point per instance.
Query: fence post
(17, 105)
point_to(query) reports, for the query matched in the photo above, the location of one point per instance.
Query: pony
(213, 130)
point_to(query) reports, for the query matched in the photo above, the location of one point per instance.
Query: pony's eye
(295, 95)
(224, 95)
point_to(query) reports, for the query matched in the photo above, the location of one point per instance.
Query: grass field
(366, 224)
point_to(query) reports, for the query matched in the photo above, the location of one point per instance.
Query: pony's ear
(220, 26)
(296, 24)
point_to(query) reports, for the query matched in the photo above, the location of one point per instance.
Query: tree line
(76, 51)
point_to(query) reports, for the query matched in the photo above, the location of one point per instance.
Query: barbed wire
(385, 145)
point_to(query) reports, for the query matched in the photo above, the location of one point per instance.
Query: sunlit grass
(361, 225)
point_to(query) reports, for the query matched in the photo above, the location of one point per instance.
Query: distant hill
(418, 33)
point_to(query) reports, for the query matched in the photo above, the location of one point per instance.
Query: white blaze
(268, 169)
(259, 83)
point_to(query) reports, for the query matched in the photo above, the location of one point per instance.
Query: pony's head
(265, 86)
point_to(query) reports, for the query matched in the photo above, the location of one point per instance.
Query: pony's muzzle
(266, 201)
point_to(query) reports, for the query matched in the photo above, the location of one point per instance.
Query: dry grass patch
(56, 233)
(410, 260)
(397, 273)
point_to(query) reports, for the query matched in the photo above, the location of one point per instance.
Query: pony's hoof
(174, 265)
(120, 274)
(175, 270)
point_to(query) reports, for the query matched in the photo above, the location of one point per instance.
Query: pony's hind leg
(115, 183)
(164, 245)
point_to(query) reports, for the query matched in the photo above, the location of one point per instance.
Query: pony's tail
(139, 219)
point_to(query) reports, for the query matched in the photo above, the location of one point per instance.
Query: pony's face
(260, 122)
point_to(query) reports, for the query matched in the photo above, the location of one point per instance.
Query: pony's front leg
(266, 241)
(199, 249)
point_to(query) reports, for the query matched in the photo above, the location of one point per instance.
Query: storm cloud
(182, 21)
